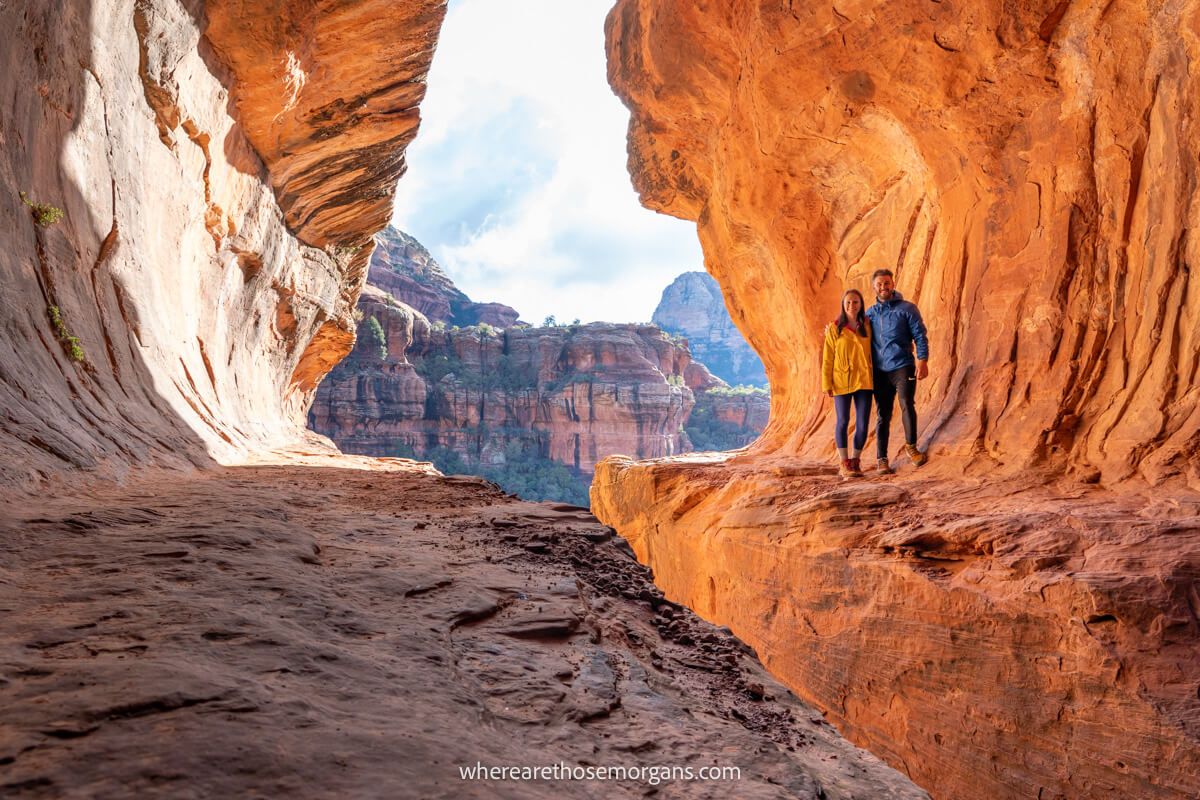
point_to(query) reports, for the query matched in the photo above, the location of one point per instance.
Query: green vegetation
(434, 368)
(525, 472)
(540, 479)
(675, 380)
(501, 373)
(487, 330)
(375, 340)
(739, 391)
(707, 432)
(550, 322)
(43, 214)
(71, 344)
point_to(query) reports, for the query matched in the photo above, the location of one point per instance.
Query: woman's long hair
(861, 318)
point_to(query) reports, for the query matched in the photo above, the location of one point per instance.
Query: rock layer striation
(1026, 169)
(568, 394)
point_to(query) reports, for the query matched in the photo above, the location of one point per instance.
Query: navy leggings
(862, 415)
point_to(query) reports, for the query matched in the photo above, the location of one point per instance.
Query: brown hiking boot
(856, 465)
(882, 468)
(847, 471)
(918, 458)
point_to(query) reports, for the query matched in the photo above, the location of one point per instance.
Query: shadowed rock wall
(219, 194)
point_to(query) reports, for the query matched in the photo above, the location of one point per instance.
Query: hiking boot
(856, 467)
(847, 471)
(918, 458)
(882, 468)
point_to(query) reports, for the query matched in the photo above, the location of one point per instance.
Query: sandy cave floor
(329, 626)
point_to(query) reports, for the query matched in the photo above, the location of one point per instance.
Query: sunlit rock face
(221, 168)
(402, 267)
(692, 306)
(1026, 170)
(1017, 619)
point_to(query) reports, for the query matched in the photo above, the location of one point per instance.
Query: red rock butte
(1019, 619)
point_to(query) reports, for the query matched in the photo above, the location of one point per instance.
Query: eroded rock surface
(1027, 170)
(1000, 640)
(170, 135)
(332, 626)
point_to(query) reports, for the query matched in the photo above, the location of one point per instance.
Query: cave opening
(524, 315)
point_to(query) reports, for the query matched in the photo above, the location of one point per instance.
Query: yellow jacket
(846, 360)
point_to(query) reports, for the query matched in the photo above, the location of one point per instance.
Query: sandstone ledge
(1001, 640)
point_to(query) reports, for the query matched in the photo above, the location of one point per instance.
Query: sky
(517, 182)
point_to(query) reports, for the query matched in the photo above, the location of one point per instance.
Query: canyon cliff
(191, 189)
(506, 403)
(569, 394)
(693, 306)
(1018, 618)
(402, 267)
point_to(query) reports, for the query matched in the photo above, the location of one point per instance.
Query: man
(896, 325)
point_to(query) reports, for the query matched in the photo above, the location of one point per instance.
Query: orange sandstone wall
(222, 168)
(1027, 170)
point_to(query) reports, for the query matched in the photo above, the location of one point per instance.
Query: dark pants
(899, 383)
(861, 400)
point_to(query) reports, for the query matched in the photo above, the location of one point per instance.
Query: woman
(846, 377)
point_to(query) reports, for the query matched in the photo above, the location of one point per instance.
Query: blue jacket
(895, 326)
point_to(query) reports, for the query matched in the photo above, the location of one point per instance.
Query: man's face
(884, 287)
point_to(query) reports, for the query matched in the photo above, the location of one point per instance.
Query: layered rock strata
(568, 394)
(219, 169)
(693, 306)
(1001, 640)
(1027, 172)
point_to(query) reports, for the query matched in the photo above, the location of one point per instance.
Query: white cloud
(517, 180)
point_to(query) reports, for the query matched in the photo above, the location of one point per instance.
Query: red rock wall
(1026, 169)
(219, 198)
(573, 395)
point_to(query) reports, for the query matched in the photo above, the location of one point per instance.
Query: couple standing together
(869, 353)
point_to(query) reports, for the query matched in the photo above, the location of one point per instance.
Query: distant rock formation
(404, 269)
(726, 418)
(508, 404)
(692, 306)
(532, 408)
(570, 394)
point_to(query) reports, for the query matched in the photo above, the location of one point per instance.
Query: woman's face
(851, 304)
